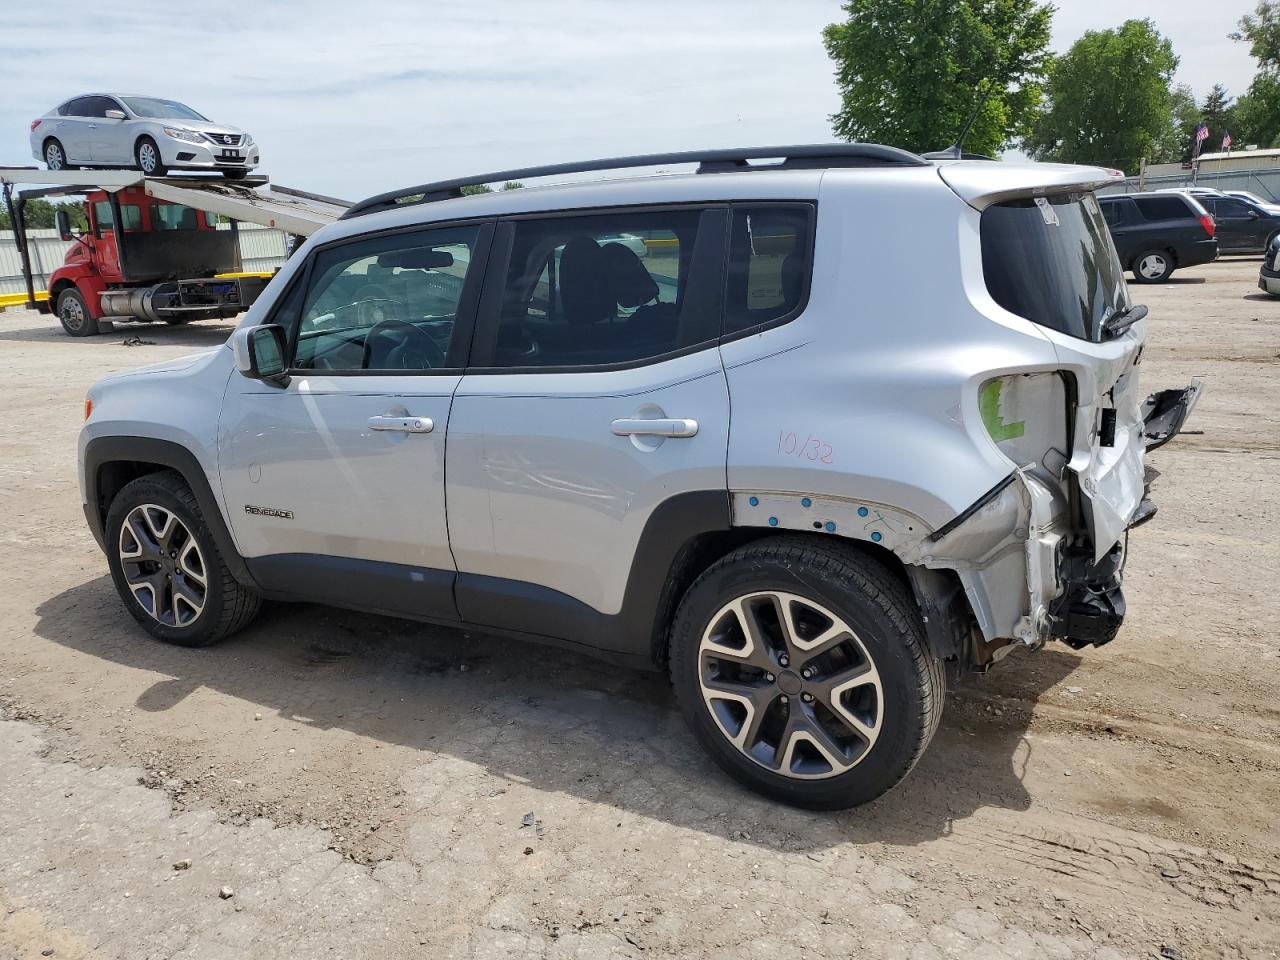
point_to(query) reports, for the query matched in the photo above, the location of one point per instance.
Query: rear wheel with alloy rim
(803, 669)
(166, 565)
(1153, 266)
(55, 158)
(73, 314)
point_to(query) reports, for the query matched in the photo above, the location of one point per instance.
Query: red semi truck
(147, 259)
(153, 250)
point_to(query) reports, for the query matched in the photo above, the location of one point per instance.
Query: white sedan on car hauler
(151, 134)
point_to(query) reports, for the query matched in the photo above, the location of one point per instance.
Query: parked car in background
(1252, 198)
(1157, 233)
(148, 133)
(1242, 225)
(1269, 274)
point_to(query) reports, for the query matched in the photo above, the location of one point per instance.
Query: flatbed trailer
(251, 200)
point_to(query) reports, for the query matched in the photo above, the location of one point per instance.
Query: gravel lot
(358, 784)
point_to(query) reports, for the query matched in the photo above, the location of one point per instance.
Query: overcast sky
(350, 98)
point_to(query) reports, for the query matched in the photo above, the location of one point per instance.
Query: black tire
(235, 174)
(73, 313)
(176, 321)
(146, 155)
(226, 607)
(879, 610)
(55, 156)
(1145, 265)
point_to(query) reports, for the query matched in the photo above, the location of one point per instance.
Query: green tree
(912, 72)
(39, 215)
(1216, 111)
(1109, 99)
(1179, 140)
(1256, 115)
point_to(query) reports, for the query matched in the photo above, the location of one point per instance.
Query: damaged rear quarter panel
(871, 396)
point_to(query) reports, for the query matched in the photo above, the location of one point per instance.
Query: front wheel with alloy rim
(802, 667)
(148, 156)
(1153, 266)
(166, 565)
(73, 314)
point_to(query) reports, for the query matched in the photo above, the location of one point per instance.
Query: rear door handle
(637, 427)
(402, 424)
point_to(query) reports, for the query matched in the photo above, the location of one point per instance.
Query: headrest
(585, 291)
(630, 281)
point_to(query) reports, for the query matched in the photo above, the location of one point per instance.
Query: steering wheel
(394, 344)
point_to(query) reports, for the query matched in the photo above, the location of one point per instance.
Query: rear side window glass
(770, 259)
(1163, 208)
(75, 108)
(1051, 260)
(611, 288)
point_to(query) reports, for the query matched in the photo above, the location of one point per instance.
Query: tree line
(912, 72)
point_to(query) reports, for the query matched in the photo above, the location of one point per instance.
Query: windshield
(154, 109)
(1051, 260)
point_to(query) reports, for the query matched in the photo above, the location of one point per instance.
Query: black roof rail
(805, 156)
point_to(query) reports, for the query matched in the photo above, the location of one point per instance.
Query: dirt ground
(359, 784)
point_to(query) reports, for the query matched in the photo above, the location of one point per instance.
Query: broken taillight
(1206, 221)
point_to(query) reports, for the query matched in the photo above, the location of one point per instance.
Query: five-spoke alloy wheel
(790, 684)
(163, 565)
(167, 566)
(802, 666)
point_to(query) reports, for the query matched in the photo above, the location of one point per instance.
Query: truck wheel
(148, 156)
(803, 669)
(235, 174)
(55, 158)
(167, 568)
(1153, 266)
(176, 321)
(74, 314)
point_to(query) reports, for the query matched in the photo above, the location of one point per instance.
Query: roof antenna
(956, 151)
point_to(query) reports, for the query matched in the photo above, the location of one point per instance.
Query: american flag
(1226, 140)
(1202, 133)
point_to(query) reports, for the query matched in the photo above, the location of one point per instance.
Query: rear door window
(621, 287)
(1051, 260)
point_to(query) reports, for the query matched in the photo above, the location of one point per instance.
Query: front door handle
(637, 427)
(402, 424)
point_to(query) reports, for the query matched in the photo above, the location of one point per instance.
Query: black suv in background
(1243, 226)
(1156, 233)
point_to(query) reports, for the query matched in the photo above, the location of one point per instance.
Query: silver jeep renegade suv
(811, 434)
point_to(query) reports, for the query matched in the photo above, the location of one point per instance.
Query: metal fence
(261, 249)
(1264, 182)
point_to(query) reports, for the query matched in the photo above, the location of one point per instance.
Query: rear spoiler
(981, 184)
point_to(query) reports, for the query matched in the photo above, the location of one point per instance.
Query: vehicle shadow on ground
(198, 335)
(554, 719)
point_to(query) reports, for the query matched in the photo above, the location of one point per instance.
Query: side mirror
(260, 353)
(114, 114)
(63, 223)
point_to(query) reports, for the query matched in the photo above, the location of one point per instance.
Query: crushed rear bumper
(1091, 607)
